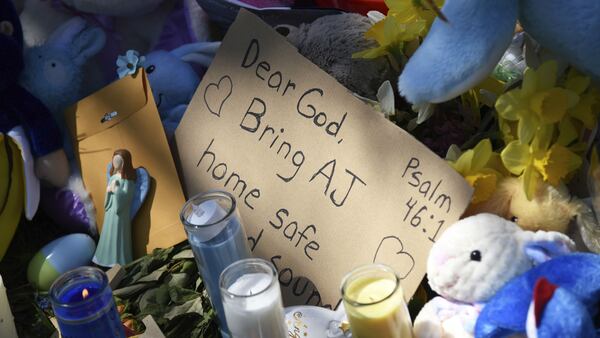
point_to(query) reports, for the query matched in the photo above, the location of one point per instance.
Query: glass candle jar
(252, 300)
(374, 303)
(215, 233)
(84, 306)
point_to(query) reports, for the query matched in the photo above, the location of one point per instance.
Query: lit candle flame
(85, 293)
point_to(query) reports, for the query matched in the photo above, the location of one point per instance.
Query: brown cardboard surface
(324, 183)
(136, 127)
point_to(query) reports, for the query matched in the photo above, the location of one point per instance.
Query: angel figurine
(125, 192)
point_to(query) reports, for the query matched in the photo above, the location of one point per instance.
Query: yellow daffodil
(539, 161)
(405, 22)
(537, 103)
(418, 8)
(391, 33)
(477, 167)
(585, 111)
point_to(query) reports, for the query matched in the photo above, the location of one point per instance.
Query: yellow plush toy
(550, 209)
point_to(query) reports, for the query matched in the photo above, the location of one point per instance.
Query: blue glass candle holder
(84, 306)
(217, 238)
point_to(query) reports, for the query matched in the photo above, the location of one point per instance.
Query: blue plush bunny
(172, 77)
(566, 308)
(53, 72)
(458, 54)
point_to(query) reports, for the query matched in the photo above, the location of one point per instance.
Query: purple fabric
(176, 31)
(66, 209)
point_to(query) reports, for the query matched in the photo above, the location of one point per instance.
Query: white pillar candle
(252, 303)
(7, 323)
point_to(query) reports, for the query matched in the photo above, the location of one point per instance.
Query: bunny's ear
(79, 38)
(199, 52)
(88, 43)
(541, 246)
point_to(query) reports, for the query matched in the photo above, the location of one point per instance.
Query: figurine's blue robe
(114, 246)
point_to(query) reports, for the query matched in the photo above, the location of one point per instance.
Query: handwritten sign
(324, 183)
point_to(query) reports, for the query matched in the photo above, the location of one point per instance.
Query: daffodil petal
(483, 185)
(546, 75)
(551, 105)
(481, 154)
(371, 53)
(567, 133)
(529, 82)
(509, 105)
(526, 128)
(584, 111)
(516, 157)
(463, 164)
(543, 137)
(576, 82)
(531, 179)
(557, 164)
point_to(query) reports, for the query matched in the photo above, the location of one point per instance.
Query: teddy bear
(471, 261)
(551, 208)
(461, 52)
(330, 41)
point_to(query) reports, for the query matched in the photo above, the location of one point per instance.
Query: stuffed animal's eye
(150, 69)
(6, 28)
(514, 219)
(476, 255)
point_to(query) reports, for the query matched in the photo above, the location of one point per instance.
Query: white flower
(129, 63)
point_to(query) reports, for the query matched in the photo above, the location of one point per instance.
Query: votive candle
(374, 303)
(252, 300)
(84, 306)
(217, 238)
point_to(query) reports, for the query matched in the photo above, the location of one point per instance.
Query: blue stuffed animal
(54, 70)
(458, 54)
(172, 78)
(30, 141)
(54, 74)
(559, 298)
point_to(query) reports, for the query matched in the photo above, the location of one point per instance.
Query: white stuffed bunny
(471, 261)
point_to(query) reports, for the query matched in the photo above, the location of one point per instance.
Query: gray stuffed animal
(330, 41)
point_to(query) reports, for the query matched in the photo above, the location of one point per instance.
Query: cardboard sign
(324, 183)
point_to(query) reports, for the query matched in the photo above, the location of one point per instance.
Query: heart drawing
(391, 252)
(217, 93)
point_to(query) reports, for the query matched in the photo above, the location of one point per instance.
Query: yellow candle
(374, 303)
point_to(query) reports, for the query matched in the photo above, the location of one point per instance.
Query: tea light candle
(374, 303)
(84, 306)
(217, 238)
(252, 300)
(7, 323)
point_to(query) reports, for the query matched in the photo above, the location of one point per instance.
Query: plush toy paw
(441, 318)
(458, 54)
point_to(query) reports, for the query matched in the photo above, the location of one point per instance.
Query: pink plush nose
(437, 257)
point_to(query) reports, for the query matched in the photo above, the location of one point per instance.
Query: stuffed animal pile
(496, 280)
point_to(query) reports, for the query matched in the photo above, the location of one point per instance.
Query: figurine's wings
(142, 186)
